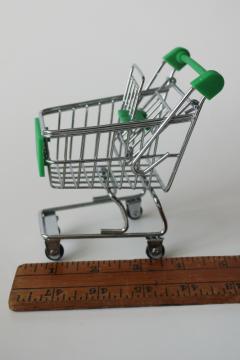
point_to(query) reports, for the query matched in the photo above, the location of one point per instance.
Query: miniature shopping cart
(119, 142)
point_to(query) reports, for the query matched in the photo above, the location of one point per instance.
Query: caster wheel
(155, 252)
(134, 214)
(54, 257)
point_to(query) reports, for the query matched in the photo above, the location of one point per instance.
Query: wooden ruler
(124, 283)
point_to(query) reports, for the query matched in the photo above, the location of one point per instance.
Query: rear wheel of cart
(155, 250)
(134, 209)
(134, 215)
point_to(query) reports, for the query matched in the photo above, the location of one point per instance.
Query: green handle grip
(39, 148)
(209, 82)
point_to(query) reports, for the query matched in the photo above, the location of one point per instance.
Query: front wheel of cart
(53, 254)
(155, 251)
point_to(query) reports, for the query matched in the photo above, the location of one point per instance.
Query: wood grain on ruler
(124, 283)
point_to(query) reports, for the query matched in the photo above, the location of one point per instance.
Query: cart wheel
(54, 257)
(155, 252)
(134, 214)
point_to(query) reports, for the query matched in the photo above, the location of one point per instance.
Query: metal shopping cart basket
(118, 143)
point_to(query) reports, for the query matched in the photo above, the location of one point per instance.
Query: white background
(56, 52)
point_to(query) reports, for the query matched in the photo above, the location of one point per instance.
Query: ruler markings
(121, 283)
(119, 291)
(184, 287)
(125, 271)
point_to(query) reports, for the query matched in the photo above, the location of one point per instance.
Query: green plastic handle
(39, 148)
(209, 82)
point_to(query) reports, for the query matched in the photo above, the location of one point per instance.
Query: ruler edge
(126, 260)
(10, 305)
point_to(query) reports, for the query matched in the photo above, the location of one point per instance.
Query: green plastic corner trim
(39, 148)
(173, 57)
(124, 116)
(209, 82)
(140, 115)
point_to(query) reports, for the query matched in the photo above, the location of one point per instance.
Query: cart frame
(141, 160)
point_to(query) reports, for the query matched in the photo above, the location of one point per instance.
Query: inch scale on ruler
(125, 283)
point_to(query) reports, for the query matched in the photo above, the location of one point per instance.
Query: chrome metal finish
(87, 147)
(134, 87)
